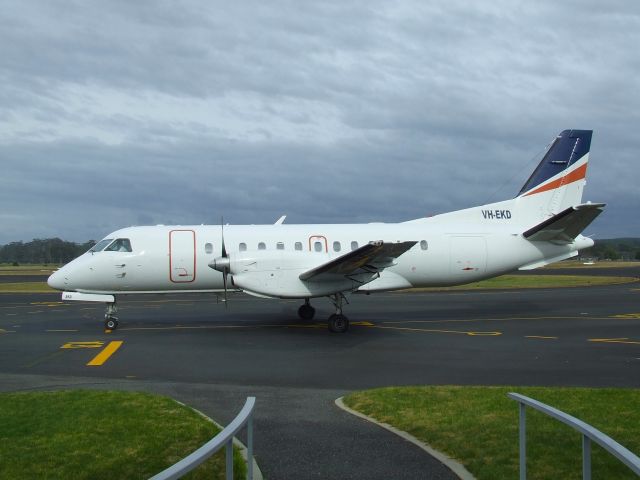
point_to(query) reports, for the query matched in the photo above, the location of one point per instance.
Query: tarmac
(195, 350)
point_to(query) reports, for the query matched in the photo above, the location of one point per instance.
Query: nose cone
(58, 280)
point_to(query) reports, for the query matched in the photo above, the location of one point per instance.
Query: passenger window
(208, 248)
(336, 246)
(120, 245)
(424, 245)
(317, 246)
(298, 245)
(354, 245)
(280, 246)
(242, 247)
(261, 246)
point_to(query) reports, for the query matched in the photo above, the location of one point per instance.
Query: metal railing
(224, 438)
(588, 434)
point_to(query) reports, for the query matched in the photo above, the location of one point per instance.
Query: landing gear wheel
(306, 312)
(338, 323)
(110, 323)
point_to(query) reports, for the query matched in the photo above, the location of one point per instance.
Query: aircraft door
(468, 255)
(182, 256)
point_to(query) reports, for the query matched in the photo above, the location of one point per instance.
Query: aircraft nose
(58, 280)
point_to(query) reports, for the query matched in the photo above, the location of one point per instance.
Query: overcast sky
(119, 113)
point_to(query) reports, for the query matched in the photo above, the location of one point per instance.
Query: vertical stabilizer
(557, 183)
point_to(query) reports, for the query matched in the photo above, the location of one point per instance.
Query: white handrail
(589, 433)
(224, 438)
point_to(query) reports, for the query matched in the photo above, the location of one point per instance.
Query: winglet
(280, 221)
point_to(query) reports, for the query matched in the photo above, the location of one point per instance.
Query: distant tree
(610, 253)
(638, 255)
(51, 250)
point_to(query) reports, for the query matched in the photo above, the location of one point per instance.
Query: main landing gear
(306, 311)
(337, 322)
(110, 319)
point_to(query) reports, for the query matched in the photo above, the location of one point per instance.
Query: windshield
(119, 245)
(100, 245)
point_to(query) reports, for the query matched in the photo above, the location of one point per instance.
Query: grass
(26, 287)
(598, 264)
(534, 281)
(478, 426)
(35, 269)
(502, 282)
(84, 434)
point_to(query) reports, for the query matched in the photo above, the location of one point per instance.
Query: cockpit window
(100, 245)
(119, 245)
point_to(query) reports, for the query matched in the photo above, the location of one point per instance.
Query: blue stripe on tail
(568, 147)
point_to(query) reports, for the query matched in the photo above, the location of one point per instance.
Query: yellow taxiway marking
(541, 337)
(426, 330)
(626, 315)
(615, 340)
(105, 354)
(96, 344)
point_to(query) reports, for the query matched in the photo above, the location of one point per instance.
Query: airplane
(541, 225)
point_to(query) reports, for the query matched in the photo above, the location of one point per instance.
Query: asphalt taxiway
(192, 348)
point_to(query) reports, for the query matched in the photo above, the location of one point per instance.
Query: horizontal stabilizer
(564, 227)
(370, 258)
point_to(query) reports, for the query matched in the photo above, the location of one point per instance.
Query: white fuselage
(452, 249)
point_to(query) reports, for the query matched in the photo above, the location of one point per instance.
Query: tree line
(57, 251)
(49, 250)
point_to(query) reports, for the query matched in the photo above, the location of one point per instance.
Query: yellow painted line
(95, 344)
(459, 332)
(614, 340)
(626, 315)
(541, 337)
(105, 354)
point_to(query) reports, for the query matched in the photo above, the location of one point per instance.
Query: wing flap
(564, 227)
(370, 258)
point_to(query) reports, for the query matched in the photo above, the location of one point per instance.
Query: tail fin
(557, 183)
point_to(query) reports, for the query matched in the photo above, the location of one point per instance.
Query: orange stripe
(577, 174)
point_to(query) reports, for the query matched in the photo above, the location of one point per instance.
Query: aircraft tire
(110, 324)
(306, 312)
(338, 323)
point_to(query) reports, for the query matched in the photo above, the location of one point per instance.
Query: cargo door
(468, 256)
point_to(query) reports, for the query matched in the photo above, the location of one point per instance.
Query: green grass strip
(534, 281)
(478, 426)
(26, 287)
(84, 434)
(502, 282)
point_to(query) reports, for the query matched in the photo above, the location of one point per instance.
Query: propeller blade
(224, 282)
(224, 250)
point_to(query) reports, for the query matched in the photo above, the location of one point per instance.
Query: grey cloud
(328, 111)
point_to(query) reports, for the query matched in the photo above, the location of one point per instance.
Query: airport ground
(195, 350)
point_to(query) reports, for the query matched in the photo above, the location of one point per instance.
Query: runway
(194, 349)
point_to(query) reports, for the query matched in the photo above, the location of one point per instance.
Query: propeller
(222, 263)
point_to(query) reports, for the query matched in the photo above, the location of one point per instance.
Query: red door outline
(315, 238)
(182, 274)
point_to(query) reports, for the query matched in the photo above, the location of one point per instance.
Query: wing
(370, 259)
(564, 227)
